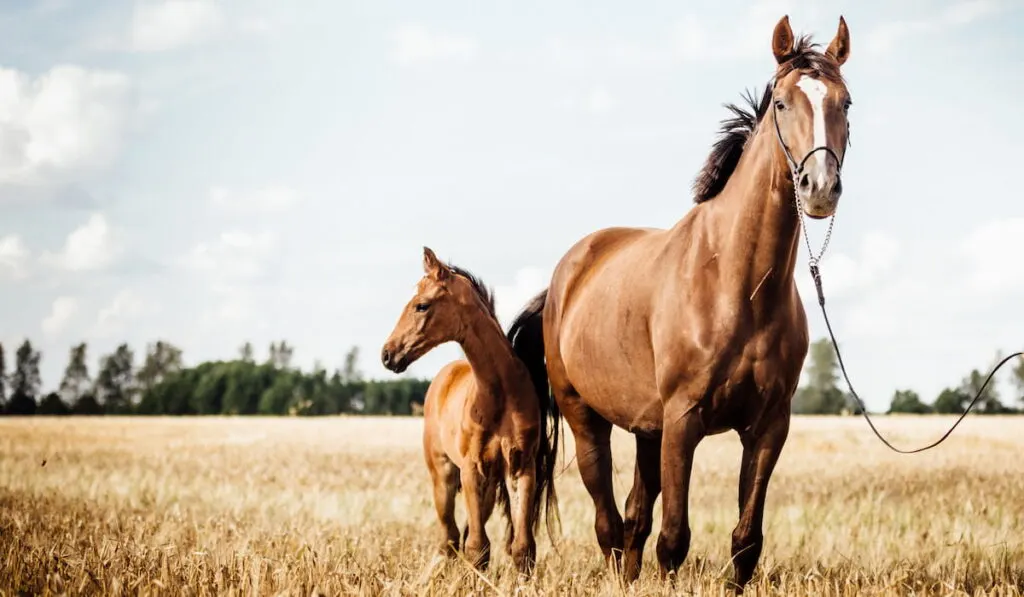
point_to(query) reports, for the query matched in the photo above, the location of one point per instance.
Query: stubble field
(342, 506)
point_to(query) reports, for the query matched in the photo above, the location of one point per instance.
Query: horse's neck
(488, 353)
(758, 215)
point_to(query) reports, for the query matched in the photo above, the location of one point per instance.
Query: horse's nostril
(385, 357)
(805, 181)
(838, 188)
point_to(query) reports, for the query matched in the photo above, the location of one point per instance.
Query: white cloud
(234, 256)
(257, 25)
(269, 199)
(13, 257)
(169, 24)
(994, 251)
(596, 101)
(63, 310)
(883, 38)
(844, 275)
(415, 43)
(600, 101)
(89, 247)
(62, 125)
(127, 306)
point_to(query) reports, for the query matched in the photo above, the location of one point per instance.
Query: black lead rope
(797, 168)
(816, 274)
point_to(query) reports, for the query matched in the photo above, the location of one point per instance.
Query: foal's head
(810, 104)
(446, 301)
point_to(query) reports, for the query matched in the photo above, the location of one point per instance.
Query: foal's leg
(760, 453)
(479, 489)
(640, 504)
(521, 494)
(445, 477)
(592, 435)
(683, 430)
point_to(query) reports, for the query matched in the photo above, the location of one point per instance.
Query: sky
(210, 173)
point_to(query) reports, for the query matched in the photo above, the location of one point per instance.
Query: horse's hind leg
(445, 477)
(640, 504)
(592, 435)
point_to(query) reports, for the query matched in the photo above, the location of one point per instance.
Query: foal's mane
(485, 294)
(737, 130)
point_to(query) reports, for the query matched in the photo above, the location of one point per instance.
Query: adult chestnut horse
(484, 422)
(678, 334)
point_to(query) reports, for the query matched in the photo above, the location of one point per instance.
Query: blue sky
(215, 172)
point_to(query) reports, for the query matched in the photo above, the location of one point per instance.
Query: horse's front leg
(479, 491)
(683, 430)
(761, 451)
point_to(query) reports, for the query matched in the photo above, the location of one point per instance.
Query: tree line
(821, 393)
(162, 385)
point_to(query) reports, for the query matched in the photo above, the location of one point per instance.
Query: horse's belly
(610, 366)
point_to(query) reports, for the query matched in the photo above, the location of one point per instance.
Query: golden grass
(342, 506)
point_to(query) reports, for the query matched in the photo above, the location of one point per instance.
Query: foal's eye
(421, 307)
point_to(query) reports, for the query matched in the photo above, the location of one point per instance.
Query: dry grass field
(341, 506)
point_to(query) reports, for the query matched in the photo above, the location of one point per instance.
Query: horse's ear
(782, 40)
(433, 267)
(840, 46)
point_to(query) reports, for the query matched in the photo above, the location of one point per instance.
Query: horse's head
(433, 316)
(810, 102)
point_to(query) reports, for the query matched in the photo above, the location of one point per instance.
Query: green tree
(1017, 375)
(162, 359)
(87, 405)
(908, 401)
(3, 379)
(951, 401)
(245, 353)
(988, 402)
(52, 405)
(821, 393)
(25, 381)
(279, 397)
(76, 381)
(115, 383)
(281, 354)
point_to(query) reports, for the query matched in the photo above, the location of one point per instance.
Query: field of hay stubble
(342, 506)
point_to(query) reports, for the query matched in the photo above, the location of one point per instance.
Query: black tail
(527, 337)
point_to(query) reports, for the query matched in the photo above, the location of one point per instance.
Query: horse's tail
(527, 337)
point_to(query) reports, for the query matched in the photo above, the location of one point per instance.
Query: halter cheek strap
(798, 168)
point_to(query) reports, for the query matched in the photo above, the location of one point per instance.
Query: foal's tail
(527, 337)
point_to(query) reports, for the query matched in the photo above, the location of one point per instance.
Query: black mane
(486, 294)
(737, 130)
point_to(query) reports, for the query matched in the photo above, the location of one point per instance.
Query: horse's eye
(779, 105)
(846, 105)
(421, 307)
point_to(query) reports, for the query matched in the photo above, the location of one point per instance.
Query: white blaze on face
(816, 91)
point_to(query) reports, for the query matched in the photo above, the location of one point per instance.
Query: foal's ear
(433, 267)
(782, 40)
(840, 46)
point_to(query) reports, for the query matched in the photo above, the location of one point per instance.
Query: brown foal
(485, 425)
(681, 333)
